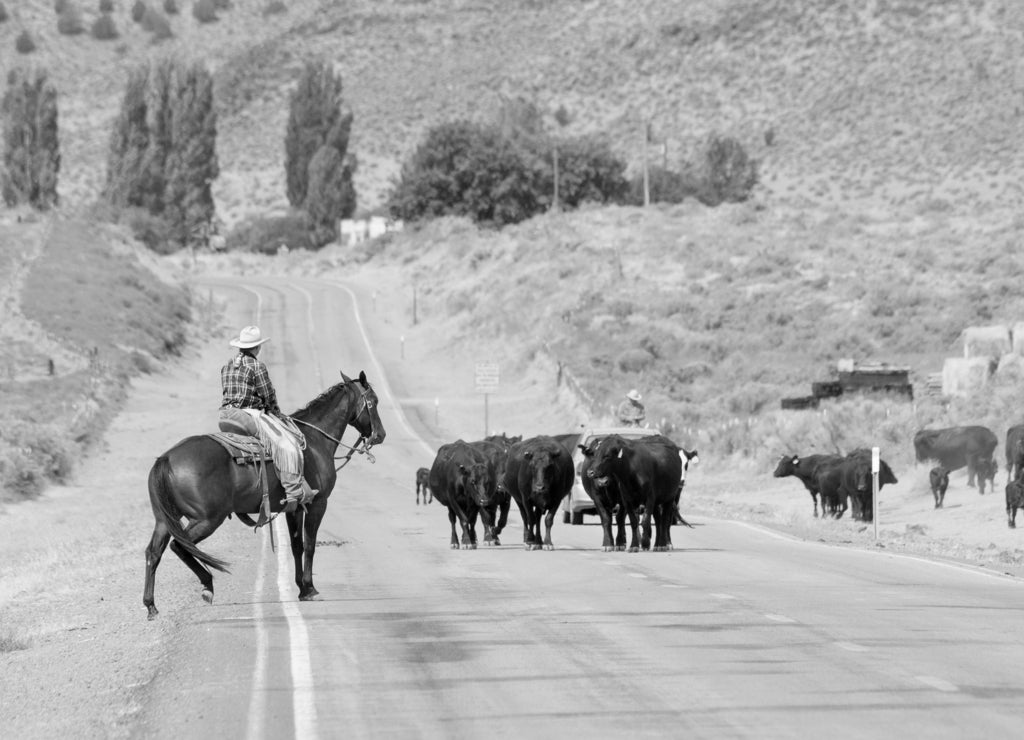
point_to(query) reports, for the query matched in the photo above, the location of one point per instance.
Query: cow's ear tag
(620, 454)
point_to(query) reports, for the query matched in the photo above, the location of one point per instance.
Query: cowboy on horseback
(250, 404)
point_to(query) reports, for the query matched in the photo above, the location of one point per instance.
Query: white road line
(938, 683)
(851, 647)
(636, 575)
(257, 698)
(303, 689)
(673, 585)
(780, 618)
(723, 596)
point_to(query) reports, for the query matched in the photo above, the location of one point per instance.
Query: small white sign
(875, 464)
(487, 377)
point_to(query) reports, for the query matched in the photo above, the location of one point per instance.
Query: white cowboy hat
(634, 395)
(249, 337)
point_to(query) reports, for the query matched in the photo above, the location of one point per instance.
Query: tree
(31, 147)
(315, 119)
(725, 171)
(588, 172)
(331, 195)
(163, 154)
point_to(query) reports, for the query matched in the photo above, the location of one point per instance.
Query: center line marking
(937, 683)
(852, 647)
(780, 618)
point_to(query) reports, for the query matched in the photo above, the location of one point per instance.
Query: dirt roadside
(71, 563)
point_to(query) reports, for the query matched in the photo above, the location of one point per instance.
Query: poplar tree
(31, 147)
(318, 167)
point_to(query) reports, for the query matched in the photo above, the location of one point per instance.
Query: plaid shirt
(246, 385)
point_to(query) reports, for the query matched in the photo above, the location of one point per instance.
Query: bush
(106, 6)
(724, 172)
(664, 186)
(171, 7)
(204, 11)
(157, 23)
(588, 171)
(24, 43)
(69, 22)
(266, 235)
(274, 8)
(153, 231)
(61, 5)
(3, 13)
(104, 28)
(139, 11)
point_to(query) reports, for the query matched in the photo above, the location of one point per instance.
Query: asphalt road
(739, 632)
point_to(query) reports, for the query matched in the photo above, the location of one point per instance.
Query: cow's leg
(620, 521)
(935, 494)
(607, 543)
(536, 514)
(470, 529)
(417, 493)
(1013, 517)
(455, 536)
(549, 520)
(972, 463)
(503, 507)
(487, 522)
(814, 498)
(645, 538)
(634, 525)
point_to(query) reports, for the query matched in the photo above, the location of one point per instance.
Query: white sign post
(874, 487)
(487, 377)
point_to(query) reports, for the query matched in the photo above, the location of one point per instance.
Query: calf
(423, 484)
(1014, 501)
(939, 479)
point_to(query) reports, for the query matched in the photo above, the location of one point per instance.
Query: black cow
(607, 501)
(1014, 501)
(461, 478)
(647, 471)
(849, 479)
(495, 516)
(568, 441)
(955, 447)
(538, 475)
(938, 478)
(1014, 452)
(423, 484)
(806, 469)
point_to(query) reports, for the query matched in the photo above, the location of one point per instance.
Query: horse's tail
(159, 494)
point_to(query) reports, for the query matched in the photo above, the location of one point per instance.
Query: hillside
(873, 104)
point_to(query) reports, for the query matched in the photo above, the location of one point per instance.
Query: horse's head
(366, 419)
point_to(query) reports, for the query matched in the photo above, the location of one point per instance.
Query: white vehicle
(578, 503)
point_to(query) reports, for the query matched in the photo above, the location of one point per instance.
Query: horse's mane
(319, 400)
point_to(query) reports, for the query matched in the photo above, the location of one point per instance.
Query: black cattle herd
(844, 481)
(639, 479)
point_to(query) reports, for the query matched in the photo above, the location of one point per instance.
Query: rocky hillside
(874, 104)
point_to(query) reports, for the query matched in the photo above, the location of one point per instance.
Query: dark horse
(198, 480)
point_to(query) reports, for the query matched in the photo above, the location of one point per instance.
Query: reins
(361, 446)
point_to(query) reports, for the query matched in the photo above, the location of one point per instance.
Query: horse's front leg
(296, 521)
(313, 518)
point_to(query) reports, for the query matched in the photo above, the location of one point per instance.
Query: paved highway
(739, 632)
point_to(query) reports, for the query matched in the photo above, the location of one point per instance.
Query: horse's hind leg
(154, 551)
(198, 531)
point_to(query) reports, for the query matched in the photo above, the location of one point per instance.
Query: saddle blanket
(244, 449)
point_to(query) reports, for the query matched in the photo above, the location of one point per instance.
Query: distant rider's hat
(248, 338)
(634, 395)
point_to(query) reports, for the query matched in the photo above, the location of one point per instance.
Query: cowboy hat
(248, 338)
(634, 395)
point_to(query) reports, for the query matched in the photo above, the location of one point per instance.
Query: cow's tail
(159, 494)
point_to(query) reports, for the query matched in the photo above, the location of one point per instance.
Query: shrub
(139, 11)
(266, 234)
(204, 11)
(663, 186)
(274, 8)
(171, 7)
(104, 28)
(31, 145)
(61, 5)
(157, 23)
(24, 43)
(106, 6)
(3, 13)
(588, 171)
(724, 171)
(153, 231)
(69, 22)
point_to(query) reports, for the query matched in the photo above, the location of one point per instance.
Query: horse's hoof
(208, 595)
(549, 547)
(153, 612)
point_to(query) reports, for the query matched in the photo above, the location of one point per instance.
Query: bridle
(362, 445)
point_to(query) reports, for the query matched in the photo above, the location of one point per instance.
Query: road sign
(487, 377)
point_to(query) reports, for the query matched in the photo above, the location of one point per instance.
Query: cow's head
(542, 466)
(787, 465)
(475, 482)
(607, 455)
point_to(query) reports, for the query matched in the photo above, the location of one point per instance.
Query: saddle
(247, 450)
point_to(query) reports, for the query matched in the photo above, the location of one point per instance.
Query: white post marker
(487, 378)
(874, 488)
